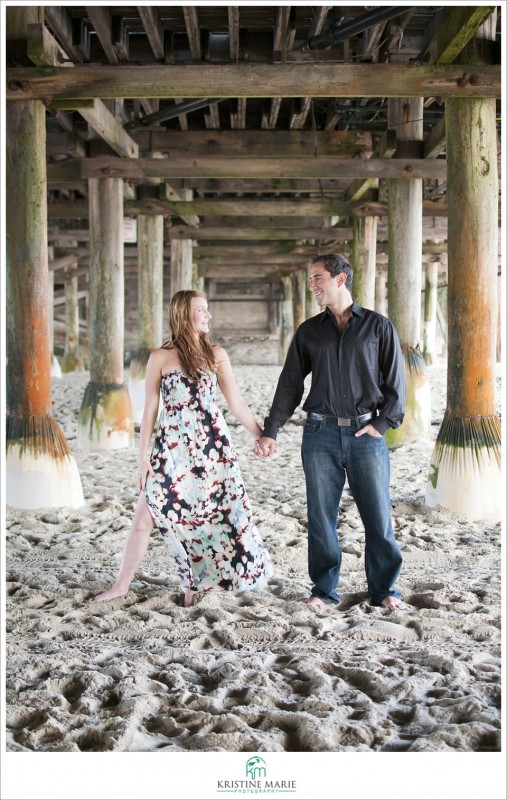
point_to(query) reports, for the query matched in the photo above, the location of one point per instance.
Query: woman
(190, 482)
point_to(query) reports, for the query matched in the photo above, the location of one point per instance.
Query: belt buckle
(344, 422)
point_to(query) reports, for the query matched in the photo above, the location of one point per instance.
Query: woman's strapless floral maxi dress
(197, 497)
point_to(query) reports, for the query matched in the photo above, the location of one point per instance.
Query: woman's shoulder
(165, 358)
(220, 355)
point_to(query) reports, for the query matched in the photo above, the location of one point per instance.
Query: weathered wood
(61, 23)
(384, 149)
(405, 277)
(299, 292)
(250, 144)
(106, 282)
(220, 167)
(100, 17)
(109, 129)
(456, 28)
(286, 317)
(181, 265)
(43, 49)
(150, 237)
(28, 345)
(363, 260)
(151, 23)
(405, 232)
(69, 143)
(233, 233)
(236, 208)
(430, 310)
(435, 141)
(71, 361)
(280, 80)
(472, 189)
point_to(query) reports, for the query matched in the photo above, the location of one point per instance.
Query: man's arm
(392, 366)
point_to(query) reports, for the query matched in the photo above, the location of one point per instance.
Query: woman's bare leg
(134, 551)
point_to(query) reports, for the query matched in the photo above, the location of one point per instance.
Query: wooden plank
(385, 148)
(43, 49)
(151, 23)
(233, 233)
(434, 143)
(109, 129)
(142, 168)
(236, 207)
(58, 18)
(193, 32)
(100, 17)
(248, 144)
(256, 80)
(233, 15)
(457, 27)
(79, 210)
(69, 143)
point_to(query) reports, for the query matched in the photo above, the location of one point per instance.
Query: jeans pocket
(313, 425)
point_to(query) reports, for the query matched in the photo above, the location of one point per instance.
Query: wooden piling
(40, 470)
(465, 471)
(405, 274)
(106, 416)
(150, 248)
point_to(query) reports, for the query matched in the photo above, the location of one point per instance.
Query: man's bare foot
(313, 601)
(189, 597)
(393, 603)
(109, 594)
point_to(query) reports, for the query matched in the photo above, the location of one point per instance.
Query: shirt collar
(356, 309)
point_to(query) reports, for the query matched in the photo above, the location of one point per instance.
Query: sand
(250, 672)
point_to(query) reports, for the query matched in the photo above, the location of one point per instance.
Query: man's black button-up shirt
(353, 372)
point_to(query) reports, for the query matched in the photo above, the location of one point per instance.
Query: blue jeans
(331, 453)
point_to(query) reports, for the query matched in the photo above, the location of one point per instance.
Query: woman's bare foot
(109, 594)
(189, 597)
(393, 603)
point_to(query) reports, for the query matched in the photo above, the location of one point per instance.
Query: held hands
(264, 447)
(143, 468)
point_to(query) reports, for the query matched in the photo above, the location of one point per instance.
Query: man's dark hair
(335, 264)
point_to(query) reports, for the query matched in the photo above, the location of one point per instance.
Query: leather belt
(341, 421)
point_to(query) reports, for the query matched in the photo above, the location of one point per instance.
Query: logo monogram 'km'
(256, 768)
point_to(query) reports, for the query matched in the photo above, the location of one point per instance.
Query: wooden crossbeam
(259, 80)
(250, 144)
(142, 168)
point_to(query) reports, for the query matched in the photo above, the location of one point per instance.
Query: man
(357, 393)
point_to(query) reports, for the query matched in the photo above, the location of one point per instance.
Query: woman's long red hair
(194, 349)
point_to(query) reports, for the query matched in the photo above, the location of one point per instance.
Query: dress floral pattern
(197, 497)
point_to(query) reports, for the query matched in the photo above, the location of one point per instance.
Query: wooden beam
(237, 207)
(143, 168)
(434, 143)
(259, 80)
(68, 143)
(233, 14)
(385, 148)
(109, 129)
(100, 17)
(193, 32)
(151, 23)
(265, 143)
(60, 22)
(43, 49)
(233, 233)
(457, 26)
(79, 210)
